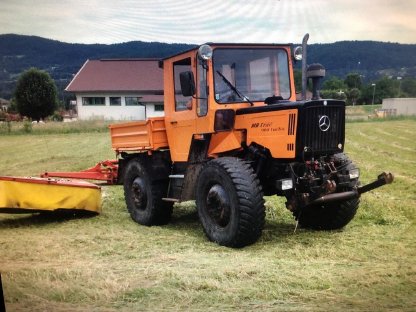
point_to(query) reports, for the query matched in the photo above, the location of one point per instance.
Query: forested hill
(62, 60)
(366, 57)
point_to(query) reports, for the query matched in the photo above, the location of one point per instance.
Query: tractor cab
(212, 82)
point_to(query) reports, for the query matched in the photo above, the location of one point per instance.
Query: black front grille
(321, 128)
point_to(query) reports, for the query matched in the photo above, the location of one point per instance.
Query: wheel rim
(139, 194)
(218, 205)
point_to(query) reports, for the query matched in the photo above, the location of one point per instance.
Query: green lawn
(109, 263)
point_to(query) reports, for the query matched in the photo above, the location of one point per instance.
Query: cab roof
(216, 45)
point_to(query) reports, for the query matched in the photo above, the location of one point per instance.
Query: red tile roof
(118, 75)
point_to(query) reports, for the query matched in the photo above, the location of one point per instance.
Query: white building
(118, 89)
(400, 106)
(4, 105)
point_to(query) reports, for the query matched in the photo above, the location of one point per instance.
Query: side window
(115, 101)
(181, 102)
(283, 75)
(87, 101)
(159, 108)
(132, 101)
(202, 106)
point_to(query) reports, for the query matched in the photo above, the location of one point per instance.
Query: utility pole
(400, 84)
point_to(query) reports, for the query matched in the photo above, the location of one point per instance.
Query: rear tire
(144, 196)
(230, 202)
(331, 216)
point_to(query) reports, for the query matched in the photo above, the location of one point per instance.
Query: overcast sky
(193, 21)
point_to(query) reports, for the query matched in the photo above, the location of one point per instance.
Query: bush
(57, 116)
(5, 127)
(3, 115)
(27, 126)
(333, 94)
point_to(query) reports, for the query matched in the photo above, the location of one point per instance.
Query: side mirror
(187, 83)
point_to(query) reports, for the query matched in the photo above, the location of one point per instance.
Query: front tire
(230, 202)
(144, 196)
(331, 216)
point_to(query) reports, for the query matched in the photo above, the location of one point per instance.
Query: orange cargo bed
(139, 135)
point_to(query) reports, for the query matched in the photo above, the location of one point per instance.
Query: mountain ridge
(62, 60)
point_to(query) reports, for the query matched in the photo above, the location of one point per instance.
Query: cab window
(202, 106)
(181, 102)
(253, 73)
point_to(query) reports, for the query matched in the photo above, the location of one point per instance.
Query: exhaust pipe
(304, 65)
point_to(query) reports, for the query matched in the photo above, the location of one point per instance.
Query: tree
(334, 88)
(298, 80)
(13, 106)
(35, 94)
(333, 94)
(334, 83)
(408, 87)
(352, 95)
(353, 81)
(384, 88)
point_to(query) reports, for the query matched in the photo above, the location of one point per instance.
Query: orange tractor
(233, 132)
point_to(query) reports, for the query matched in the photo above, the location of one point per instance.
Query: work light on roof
(205, 52)
(297, 53)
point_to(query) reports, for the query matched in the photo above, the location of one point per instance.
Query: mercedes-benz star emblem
(324, 123)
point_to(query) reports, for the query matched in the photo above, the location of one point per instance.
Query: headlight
(205, 52)
(354, 173)
(284, 184)
(297, 53)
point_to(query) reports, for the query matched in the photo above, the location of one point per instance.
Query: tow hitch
(382, 179)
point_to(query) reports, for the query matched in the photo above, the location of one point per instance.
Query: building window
(93, 101)
(115, 101)
(159, 108)
(132, 101)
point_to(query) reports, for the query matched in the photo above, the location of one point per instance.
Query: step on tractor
(233, 131)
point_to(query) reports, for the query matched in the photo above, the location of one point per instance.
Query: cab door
(180, 119)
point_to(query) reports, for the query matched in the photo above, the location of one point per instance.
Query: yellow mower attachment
(30, 194)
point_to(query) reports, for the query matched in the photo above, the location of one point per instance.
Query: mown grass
(109, 263)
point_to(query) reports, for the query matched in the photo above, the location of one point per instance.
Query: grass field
(109, 263)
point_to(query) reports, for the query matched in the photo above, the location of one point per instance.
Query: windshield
(247, 74)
